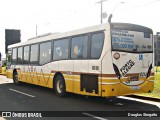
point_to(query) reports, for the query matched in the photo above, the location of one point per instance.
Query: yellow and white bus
(110, 59)
(0, 64)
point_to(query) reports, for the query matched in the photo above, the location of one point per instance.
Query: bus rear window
(146, 35)
(131, 41)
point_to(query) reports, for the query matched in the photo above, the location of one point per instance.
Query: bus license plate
(134, 87)
(134, 78)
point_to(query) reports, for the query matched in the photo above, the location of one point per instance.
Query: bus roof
(55, 36)
(131, 27)
(100, 27)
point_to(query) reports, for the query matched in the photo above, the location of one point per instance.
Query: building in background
(12, 36)
(157, 49)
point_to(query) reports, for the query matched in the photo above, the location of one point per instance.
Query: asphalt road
(34, 98)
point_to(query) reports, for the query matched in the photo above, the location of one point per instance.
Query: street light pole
(101, 2)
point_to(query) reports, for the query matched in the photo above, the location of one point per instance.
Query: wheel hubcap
(16, 79)
(59, 86)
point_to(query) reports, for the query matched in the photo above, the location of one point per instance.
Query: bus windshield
(131, 41)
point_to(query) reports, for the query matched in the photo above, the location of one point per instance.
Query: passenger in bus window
(76, 51)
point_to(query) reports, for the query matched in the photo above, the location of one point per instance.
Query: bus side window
(45, 53)
(79, 47)
(14, 56)
(97, 45)
(34, 54)
(61, 49)
(20, 51)
(26, 55)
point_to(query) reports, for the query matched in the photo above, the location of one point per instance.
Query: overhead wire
(142, 5)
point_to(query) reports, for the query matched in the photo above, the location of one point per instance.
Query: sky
(52, 16)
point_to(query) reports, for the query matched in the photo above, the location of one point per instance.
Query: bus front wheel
(15, 78)
(59, 86)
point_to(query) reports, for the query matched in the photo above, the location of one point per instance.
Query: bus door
(79, 48)
(95, 63)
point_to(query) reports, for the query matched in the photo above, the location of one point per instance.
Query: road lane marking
(140, 100)
(96, 117)
(22, 93)
(1, 118)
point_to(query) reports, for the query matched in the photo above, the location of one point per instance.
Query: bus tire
(15, 79)
(60, 87)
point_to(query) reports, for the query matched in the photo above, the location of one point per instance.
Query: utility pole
(101, 2)
(36, 30)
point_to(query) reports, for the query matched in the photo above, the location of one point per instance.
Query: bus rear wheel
(60, 87)
(15, 78)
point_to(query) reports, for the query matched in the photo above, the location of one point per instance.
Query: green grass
(157, 69)
(156, 92)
